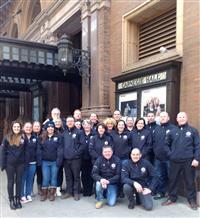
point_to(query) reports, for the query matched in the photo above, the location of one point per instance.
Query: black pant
(60, 177)
(72, 174)
(86, 179)
(39, 175)
(146, 200)
(175, 170)
(14, 176)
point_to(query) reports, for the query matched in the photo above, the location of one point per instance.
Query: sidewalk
(86, 208)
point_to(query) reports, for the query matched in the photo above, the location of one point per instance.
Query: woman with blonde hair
(110, 124)
(13, 161)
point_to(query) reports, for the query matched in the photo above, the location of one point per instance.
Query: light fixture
(69, 57)
(163, 50)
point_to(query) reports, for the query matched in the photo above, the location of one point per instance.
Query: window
(41, 59)
(161, 31)
(6, 52)
(15, 54)
(49, 60)
(33, 56)
(24, 55)
(146, 28)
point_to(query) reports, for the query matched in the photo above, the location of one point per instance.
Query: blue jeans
(49, 174)
(162, 169)
(110, 193)
(28, 179)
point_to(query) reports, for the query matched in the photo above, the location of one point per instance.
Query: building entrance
(31, 83)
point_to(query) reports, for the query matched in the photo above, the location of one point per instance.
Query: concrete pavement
(86, 208)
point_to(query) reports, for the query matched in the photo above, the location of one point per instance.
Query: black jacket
(183, 143)
(141, 172)
(84, 141)
(159, 138)
(32, 149)
(151, 126)
(96, 144)
(71, 142)
(12, 154)
(121, 144)
(142, 140)
(52, 150)
(107, 169)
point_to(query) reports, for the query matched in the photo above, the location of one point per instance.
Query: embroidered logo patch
(113, 165)
(188, 134)
(142, 137)
(106, 143)
(74, 136)
(55, 139)
(125, 137)
(34, 140)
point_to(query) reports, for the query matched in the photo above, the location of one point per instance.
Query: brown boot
(39, 190)
(52, 194)
(44, 194)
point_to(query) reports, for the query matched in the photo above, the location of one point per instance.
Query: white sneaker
(29, 198)
(23, 200)
(58, 192)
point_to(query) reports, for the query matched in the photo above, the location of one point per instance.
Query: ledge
(152, 61)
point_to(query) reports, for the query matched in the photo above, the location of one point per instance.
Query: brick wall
(190, 74)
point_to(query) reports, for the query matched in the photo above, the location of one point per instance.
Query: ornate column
(85, 18)
(99, 35)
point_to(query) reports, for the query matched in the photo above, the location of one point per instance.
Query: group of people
(110, 158)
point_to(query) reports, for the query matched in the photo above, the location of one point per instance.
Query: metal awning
(32, 60)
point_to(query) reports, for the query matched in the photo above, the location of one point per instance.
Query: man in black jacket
(72, 152)
(151, 126)
(161, 162)
(106, 173)
(136, 174)
(183, 148)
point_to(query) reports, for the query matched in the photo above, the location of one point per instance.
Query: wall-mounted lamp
(69, 57)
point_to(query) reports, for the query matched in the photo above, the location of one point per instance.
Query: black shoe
(18, 203)
(159, 196)
(131, 204)
(12, 205)
(193, 205)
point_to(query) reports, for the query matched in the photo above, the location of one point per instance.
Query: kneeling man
(136, 174)
(106, 173)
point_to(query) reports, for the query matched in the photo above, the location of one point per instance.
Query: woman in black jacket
(98, 141)
(86, 166)
(141, 138)
(31, 157)
(13, 161)
(51, 159)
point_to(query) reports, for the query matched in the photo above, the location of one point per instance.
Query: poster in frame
(153, 100)
(128, 105)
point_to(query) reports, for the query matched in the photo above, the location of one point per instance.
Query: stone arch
(31, 10)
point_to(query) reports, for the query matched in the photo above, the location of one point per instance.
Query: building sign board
(143, 80)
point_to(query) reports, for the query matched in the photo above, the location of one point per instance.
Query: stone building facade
(139, 50)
